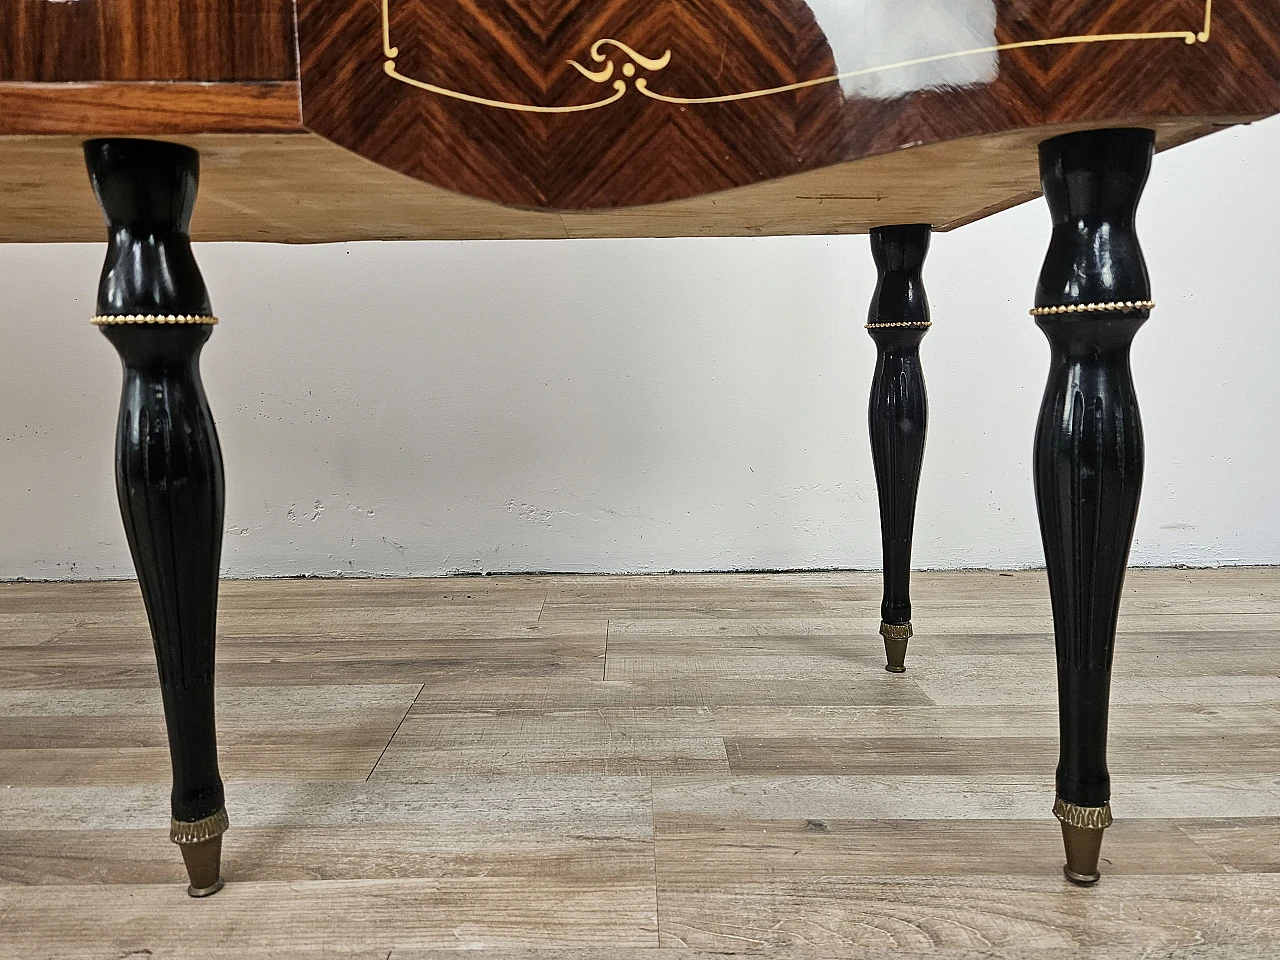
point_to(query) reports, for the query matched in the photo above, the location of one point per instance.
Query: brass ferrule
(200, 831)
(1083, 818)
(896, 631)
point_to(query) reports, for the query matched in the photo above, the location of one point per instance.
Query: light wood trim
(304, 189)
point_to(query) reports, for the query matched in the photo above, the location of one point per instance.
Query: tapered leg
(1093, 296)
(153, 307)
(899, 415)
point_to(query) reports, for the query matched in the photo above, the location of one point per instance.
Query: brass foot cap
(1084, 849)
(896, 636)
(1080, 879)
(204, 866)
(199, 892)
(1082, 830)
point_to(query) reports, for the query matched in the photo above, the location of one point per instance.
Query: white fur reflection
(874, 33)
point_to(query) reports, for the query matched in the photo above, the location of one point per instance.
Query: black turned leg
(899, 415)
(153, 307)
(1093, 296)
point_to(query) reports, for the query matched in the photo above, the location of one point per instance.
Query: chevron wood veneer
(581, 105)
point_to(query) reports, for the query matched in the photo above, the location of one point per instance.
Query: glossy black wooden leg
(153, 307)
(899, 415)
(1093, 296)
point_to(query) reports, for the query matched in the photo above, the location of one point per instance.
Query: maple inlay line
(1189, 37)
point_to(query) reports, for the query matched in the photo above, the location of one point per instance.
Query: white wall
(425, 408)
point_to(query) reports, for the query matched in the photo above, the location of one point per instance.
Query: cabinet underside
(300, 188)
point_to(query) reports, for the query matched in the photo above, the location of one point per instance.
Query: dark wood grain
(639, 150)
(148, 109)
(42, 42)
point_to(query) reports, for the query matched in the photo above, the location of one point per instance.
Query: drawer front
(86, 40)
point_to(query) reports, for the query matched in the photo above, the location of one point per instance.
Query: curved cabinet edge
(302, 188)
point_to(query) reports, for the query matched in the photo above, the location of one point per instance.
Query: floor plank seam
(392, 738)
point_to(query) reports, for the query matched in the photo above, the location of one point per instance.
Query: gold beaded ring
(919, 324)
(103, 320)
(1118, 306)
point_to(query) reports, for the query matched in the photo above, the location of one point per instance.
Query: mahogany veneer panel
(566, 105)
(304, 189)
(44, 41)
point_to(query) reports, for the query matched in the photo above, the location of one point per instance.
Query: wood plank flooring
(642, 768)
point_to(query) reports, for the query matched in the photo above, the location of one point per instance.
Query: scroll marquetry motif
(586, 104)
(603, 53)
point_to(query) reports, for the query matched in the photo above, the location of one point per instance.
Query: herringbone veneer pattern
(639, 150)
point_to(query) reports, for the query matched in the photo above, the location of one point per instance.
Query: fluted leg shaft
(153, 307)
(1093, 296)
(898, 416)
